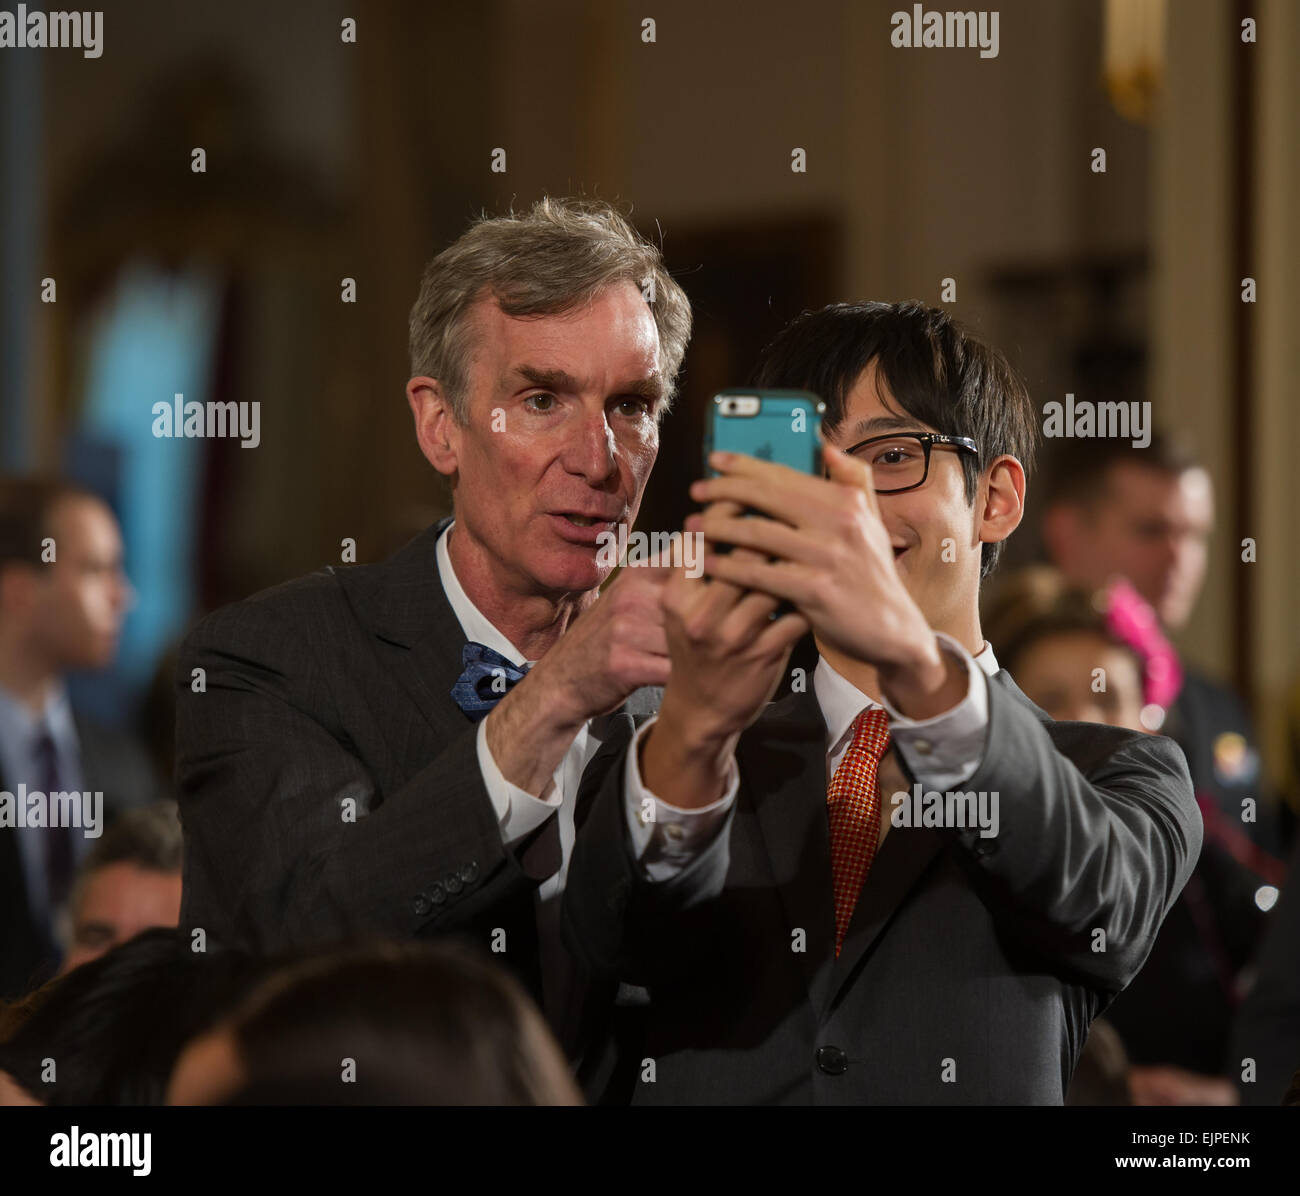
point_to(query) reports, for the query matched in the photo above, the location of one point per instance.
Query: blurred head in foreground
(109, 1031)
(379, 1024)
(130, 882)
(1095, 657)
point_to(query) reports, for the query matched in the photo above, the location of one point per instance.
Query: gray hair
(550, 260)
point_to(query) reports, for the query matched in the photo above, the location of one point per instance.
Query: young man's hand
(727, 654)
(821, 545)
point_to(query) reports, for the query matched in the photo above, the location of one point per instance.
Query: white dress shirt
(942, 752)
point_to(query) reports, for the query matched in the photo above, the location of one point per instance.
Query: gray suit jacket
(969, 974)
(329, 786)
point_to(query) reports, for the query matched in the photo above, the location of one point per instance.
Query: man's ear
(1004, 500)
(436, 428)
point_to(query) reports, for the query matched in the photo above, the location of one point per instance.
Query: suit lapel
(782, 761)
(901, 861)
(402, 603)
(419, 638)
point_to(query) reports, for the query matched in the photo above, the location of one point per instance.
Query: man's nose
(591, 451)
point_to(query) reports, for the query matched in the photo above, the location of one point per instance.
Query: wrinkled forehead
(609, 342)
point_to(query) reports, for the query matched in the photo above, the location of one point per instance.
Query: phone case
(783, 428)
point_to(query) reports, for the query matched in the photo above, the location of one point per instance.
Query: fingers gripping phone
(772, 425)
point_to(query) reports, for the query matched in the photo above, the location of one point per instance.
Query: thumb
(850, 471)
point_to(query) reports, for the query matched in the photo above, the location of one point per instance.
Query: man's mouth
(584, 527)
(578, 519)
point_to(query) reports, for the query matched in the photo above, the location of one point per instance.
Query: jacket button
(984, 847)
(420, 905)
(437, 894)
(469, 873)
(832, 1060)
(453, 883)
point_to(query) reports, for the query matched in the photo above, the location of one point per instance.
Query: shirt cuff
(667, 839)
(518, 811)
(944, 751)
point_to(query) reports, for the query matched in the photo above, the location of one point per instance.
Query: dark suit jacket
(329, 786)
(968, 974)
(111, 763)
(1267, 1027)
(1180, 1008)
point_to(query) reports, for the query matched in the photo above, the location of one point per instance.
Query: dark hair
(25, 507)
(1077, 469)
(936, 370)
(423, 1023)
(114, 1026)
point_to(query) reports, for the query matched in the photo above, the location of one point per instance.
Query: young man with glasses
(817, 940)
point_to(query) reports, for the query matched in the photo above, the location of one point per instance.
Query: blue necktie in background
(487, 678)
(58, 839)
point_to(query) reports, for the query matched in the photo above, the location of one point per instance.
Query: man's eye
(540, 402)
(892, 456)
(634, 405)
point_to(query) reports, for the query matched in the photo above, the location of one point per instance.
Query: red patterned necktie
(855, 814)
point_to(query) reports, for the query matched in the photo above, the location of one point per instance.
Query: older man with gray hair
(397, 748)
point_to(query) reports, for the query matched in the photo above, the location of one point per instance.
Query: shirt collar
(841, 701)
(473, 622)
(19, 728)
(17, 719)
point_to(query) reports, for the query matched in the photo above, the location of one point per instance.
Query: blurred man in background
(1146, 514)
(63, 598)
(130, 881)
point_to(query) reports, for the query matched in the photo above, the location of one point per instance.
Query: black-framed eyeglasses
(901, 460)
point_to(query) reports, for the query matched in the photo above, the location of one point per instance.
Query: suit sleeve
(288, 838)
(611, 903)
(1076, 854)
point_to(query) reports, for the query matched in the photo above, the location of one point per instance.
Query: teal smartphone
(772, 425)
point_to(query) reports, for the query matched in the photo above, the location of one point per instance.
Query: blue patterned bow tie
(487, 678)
